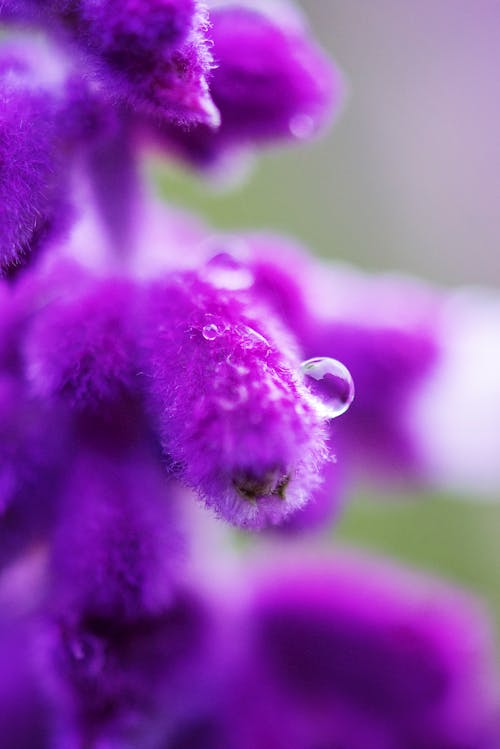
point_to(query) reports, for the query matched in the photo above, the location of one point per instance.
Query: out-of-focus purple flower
(386, 330)
(116, 548)
(271, 82)
(32, 451)
(234, 417)
(123, 626)
(34, 136)
(156, 53)
(11, 323)
(389, 365)
(356, 655)
(81, 344)
(153, 56)
(414, 350)
(116, 678)
(25, 720)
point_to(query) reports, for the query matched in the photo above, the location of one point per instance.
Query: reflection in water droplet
(301, 126)
(331, 382)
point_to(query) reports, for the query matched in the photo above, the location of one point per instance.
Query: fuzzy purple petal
(81, 344)
(153, 56)
(233, 415)
(32, 448)
(32, 153)
(353, 643)
(117, 548)
(123, 631)
(271, 83)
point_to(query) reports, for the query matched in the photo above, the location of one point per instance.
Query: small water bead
(210, 332)
(213, 328)
(302, 126)
(331, 383)
(224, 271)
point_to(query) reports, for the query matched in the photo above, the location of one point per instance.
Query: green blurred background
(408, 179)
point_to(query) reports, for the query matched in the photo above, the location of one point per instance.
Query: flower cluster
(145, 362)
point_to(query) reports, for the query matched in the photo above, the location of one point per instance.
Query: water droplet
(331, 383)
(224, 271)
(302, 126)
(210, 332)
(213, 328)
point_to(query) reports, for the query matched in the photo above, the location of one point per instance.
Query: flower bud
(271, 82)
(234, 417)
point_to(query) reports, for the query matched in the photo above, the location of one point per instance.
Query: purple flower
(151, 55)
(388, 365)
(421, 348)
(136, 355)
(362, 656)
(124, 629)
(116, 547)
(32, 449)
(25, 719)
(33, 143)
(11, 324)
(271, 82)
(116, 679)
(413, 351)
(82, 342)
(235, 419)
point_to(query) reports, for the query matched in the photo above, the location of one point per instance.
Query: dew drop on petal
(226, 263)
(213, 328)
(331, 383)
(301, 126)
(210, 332)
(224, 271)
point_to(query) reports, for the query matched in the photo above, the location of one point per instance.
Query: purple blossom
(359, 656)
(116, 546)
(32, 450)
(138, 355)
(81, 345)
(25, 719)
(151, 56)
(240, 428)
(33, 139)
(114, 677)
(342, 314)
(123, 628)
(270, 82)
